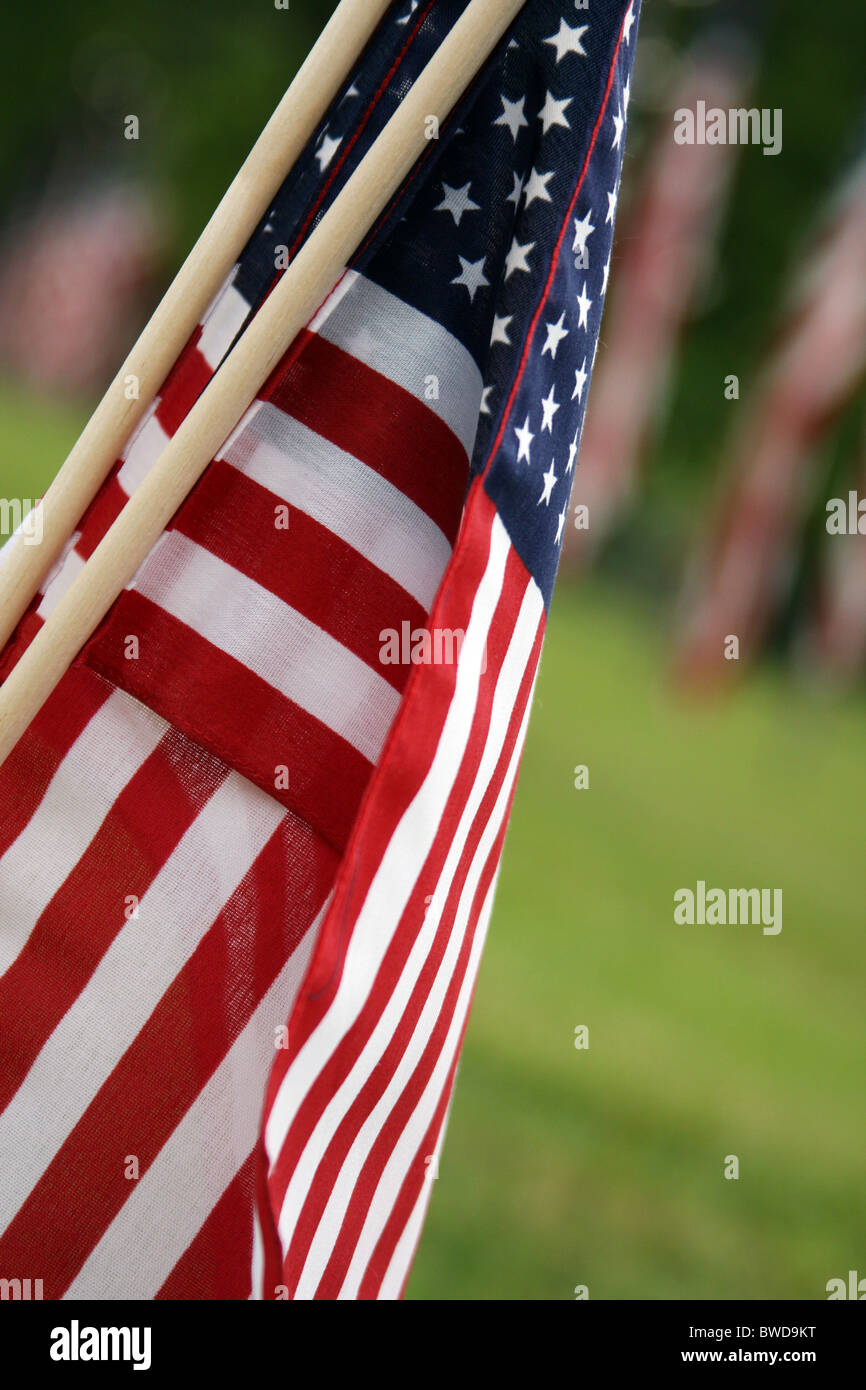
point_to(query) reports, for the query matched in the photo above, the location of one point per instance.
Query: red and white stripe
(358, 1102)
(147, 783)
(100, 1009)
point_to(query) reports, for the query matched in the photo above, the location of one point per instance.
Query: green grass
(605, 1167)
(36, 434)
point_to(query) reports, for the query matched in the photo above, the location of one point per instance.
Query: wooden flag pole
(247, 199)
(303, 287)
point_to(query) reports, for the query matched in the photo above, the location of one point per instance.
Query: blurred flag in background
(745, 563)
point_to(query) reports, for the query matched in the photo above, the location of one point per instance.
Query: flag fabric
(251, 841)
(745, 561)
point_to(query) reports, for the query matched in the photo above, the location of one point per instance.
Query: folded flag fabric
(250, 844)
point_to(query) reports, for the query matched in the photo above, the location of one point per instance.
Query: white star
(512, 115)
(472, 276)
(584, 305)
(568, 40)
(618, 123)
(579, 381)
(484, 407)
(525, 437)
(605, 274)
(582, 229)
(626, 95)
(560, 522)
(627, 23)
(553, 112)
(407, 17)
(326, 151)
(500, 330)
(550, 407)
(572, 452)
(550, 479)
(352, 92)
(611, 204)
(456, 201)
(555, 335)
(514, 195)
(517, 257)
(536, 187)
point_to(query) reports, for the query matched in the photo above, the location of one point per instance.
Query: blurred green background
(601, 1167)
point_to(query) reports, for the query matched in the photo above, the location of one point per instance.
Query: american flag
(249, 862)
(813, 367)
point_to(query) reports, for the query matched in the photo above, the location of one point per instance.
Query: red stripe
(188, 378)
(27, 772)
(233, 517)
(376, 421)
(224, 706)
(527, 347)
(88, 911)
(101, 514)
(197, 1020)
(347, 1052)
(21, 639)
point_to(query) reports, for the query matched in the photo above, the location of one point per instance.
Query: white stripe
(386, 899)
(222, 325)
(507, 687)
(401, 343)
(195, 883)
(142, 452)
(404, 1151)
(339, 492)
(116, 742)
(168, 1206)
(57, 568)
(272, 639)
(53, 592)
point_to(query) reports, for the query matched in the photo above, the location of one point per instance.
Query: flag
(251, 842)
(77, 271)
(813, 366)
